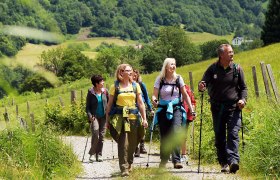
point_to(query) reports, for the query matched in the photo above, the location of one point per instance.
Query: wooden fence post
(265, 80)
(32, 122)
(191, 81)
(61, 101)
(28, 107)
(6, 116)
(273, 83)
(255, 81)
(17, 110)
(73, 97)
(82, 96)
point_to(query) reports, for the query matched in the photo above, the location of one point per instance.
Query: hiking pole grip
(200, 132)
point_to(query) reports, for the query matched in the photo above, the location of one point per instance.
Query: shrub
(39, 155)
(72, 119)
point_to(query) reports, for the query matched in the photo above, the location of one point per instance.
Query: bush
(72, 119)
(35, 83)
(39, 155)
(209, 49)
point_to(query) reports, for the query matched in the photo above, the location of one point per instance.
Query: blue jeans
(227, 123)
(167, 128)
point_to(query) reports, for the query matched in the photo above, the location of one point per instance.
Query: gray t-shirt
(166, 90)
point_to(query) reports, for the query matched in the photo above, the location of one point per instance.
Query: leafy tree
(152, 59)
(271, 28)
(174, 42)
(68, 64)
(35, 83)
(209, 49)
(52, 60)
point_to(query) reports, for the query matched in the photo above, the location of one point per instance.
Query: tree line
(131, 19)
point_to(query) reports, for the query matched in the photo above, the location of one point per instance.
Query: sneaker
(99, 158)
(125, 173)
(142, 149)
(184, 158)
(224, 168)
(91, 158)
(137, 152)
(233, 168)
(178, 165)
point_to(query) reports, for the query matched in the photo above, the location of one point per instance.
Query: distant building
(138, 46)
(239, 40)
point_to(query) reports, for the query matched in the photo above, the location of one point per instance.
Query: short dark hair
(95, 79)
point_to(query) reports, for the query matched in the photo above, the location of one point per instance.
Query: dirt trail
(109, 168)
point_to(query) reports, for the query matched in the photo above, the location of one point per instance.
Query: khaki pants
(127, 142)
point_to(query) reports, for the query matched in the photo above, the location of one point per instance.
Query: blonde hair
(121, 69)
(167, 62)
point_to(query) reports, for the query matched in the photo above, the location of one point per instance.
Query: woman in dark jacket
(96, 103)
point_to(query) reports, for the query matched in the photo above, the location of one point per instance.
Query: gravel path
(109, 168)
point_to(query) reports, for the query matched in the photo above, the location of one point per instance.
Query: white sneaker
(184, 158)
(91, 158)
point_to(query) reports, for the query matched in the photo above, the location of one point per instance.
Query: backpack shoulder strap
(117, 91)
(177, 85)
(236, 70)
(160, 86)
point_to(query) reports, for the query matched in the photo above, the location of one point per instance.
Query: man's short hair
(221, 48)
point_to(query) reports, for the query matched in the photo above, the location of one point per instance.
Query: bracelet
(193, 113)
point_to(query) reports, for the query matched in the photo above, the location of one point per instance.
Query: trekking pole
(200, 132)
(242, 131)
(151, 138)
(113, 148)
(86, 145)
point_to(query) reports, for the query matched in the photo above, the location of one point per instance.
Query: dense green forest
(131, 19)
(162, 24)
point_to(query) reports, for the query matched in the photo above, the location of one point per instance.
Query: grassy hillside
(200, 38)
(269, 55)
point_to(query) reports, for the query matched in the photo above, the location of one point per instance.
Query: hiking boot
(129, 168)
(162, 164)
(124, 173)
(224, 168)
(178, 165)
(137, 152)
(142, 149)
(233, 168)
(91, 158)
(184, 158)
(99, 158)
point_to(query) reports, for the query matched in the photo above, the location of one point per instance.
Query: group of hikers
(123, 111)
